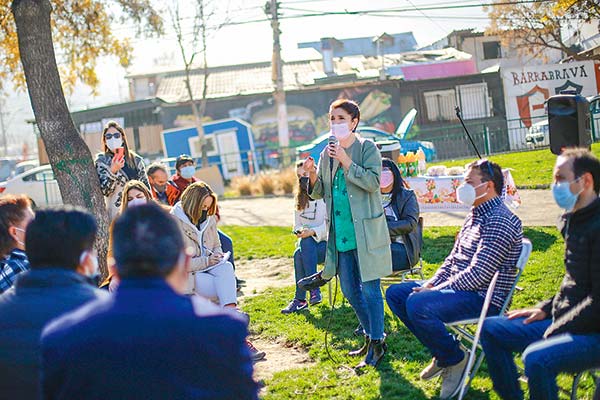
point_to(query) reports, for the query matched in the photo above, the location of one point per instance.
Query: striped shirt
(15, 263)
(489, 241)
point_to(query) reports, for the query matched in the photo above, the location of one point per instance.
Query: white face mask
(136, 202)
(466, 195)
(341, 131)
(114, 143)
(17, 240)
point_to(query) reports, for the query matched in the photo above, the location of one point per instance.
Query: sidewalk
(537, 209)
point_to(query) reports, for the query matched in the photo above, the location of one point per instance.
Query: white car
(37, 183)
(538, 135)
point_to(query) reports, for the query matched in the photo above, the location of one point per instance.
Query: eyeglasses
(116, 135)
(488, 164)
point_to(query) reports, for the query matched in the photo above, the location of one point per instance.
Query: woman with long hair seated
(402, 215)
(210, 275)
(311, 230)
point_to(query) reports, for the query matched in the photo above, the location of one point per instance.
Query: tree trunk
(69, 156)
(198, 114)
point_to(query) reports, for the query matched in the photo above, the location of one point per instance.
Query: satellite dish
(406, 124)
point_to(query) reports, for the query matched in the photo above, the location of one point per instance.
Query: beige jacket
(199, 241)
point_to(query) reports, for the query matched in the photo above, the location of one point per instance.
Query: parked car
(538, 135)
(315, 147)
(25, 166)
(37, 183)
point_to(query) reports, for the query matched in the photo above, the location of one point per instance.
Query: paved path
(537, 209)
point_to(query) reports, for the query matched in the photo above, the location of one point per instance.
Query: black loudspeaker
(568, 122)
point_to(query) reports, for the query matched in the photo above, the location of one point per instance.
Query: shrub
(287, 180)
(242, 184)
(266, 183)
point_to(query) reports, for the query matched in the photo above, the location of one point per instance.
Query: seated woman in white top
(311, 230)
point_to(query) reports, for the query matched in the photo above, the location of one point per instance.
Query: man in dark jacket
(60, 250)
(148, 342)
(563, 333)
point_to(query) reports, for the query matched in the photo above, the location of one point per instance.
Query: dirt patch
(280, 357)
(262, 274)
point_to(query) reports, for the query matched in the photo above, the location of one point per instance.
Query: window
(474, 100)
(440, 105)
(491, 50)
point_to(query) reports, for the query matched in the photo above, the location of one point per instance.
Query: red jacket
(173, 193)
(181, 183)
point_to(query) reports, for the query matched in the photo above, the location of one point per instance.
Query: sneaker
(452, 378)
(255, 355)
(240, 282)
(431, 371)
(295, 306)
(315, 297)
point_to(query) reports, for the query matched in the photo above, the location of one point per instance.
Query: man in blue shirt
(60, 248)
(490, 240)
(149, 341)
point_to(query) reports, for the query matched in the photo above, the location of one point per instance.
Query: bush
(243, 185)
(266, 183)
(287, 180)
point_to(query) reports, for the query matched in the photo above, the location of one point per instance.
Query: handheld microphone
(331, 141)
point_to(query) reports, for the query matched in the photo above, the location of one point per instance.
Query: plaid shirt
(490, 240)
(15, 263)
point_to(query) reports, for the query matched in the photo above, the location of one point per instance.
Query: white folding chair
(463, 328)
(486, 305)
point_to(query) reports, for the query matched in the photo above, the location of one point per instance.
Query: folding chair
(461, 328)
(417, 269)
(595, 373)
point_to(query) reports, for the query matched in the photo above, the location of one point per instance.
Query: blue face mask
(187, 172)
(563, 195)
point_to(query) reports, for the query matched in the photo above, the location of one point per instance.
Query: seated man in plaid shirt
(489, 241)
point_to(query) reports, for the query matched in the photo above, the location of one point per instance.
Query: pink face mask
(387, 178)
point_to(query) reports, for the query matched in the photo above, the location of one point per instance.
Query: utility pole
(271, 8)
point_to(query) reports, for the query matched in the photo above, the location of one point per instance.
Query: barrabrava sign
(527, 88)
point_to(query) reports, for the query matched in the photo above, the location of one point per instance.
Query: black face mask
(202, 217)
(304, 183)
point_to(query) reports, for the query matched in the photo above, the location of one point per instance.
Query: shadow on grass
(340, 326)
(436, 248)
(540, 239)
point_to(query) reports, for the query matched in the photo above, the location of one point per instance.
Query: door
(231, 159)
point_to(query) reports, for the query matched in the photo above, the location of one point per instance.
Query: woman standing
(402, 215)
(311, 230)
(358, 249)
(210, 274)
(116, 166)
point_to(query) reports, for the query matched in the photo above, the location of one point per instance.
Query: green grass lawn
(530, 168)
(397, 376)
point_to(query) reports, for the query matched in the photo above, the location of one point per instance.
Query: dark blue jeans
(425, 313)
(543, 358)
(399, 257)
(226, 245)
(306, 257)
(364, 297)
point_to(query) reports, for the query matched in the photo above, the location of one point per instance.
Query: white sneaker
(431, 371)
(452, 378)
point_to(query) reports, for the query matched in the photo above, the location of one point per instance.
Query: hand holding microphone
(337, 152)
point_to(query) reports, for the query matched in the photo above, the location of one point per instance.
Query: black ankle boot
(375, 353)
(363, 350)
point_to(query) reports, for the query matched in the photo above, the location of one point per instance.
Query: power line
(426, 16)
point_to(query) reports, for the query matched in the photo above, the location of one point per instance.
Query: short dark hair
(147, 242)
(152, 168)
(490, 171)
(350, 106)
(12, 211)
(584, 161)
(57, 236)
(182, 159)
